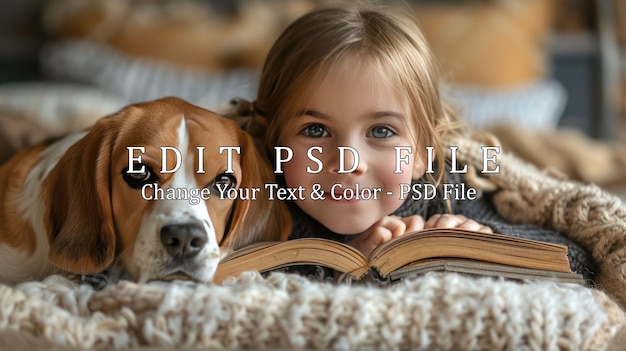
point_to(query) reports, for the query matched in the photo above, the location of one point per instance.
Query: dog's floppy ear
(78, 216)
(261, 219)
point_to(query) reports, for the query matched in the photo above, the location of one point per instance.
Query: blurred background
(548, 77)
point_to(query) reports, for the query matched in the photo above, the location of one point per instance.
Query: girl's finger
(413, 223)
(446, 221)
(395, 225)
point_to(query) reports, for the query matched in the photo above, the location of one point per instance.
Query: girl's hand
(455, 221)
(387, 228)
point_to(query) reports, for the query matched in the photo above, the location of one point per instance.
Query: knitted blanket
(435, 311)
(446, 312)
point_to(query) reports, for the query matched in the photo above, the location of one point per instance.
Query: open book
(419, 252)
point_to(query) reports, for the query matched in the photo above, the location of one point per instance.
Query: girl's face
(353, 107)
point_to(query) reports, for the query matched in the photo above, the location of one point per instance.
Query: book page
(317, 251)
(451, 243)
(483, 268)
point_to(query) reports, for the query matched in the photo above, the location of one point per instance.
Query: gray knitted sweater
(480, 210)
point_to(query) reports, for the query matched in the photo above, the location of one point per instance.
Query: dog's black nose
(183, 240)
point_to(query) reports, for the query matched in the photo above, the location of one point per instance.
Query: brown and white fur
(68, 206)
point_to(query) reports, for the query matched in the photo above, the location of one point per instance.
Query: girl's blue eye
(380, 132)
(314, 131)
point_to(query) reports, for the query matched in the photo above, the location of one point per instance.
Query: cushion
(488, 43)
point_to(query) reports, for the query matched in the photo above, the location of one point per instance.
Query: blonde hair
(310, 46)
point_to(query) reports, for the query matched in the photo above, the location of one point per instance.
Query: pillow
(209, 35)
(134, 79)
(488, 43)
(537, 105)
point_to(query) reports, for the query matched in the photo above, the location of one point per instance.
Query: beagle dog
(75, 206)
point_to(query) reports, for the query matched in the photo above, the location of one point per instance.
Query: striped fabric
(535, 106)
(140, 79)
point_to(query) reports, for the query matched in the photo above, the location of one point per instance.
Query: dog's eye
(138, 179)
(224, 181)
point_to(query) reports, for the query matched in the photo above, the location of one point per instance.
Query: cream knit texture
(436, 311)
(586, 213)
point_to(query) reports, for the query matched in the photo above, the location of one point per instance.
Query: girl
(363, 77)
